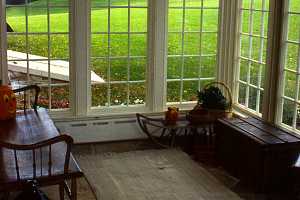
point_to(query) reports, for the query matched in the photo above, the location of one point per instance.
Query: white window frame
(282, 69)
(238, 56)
(80, 55)
(188, 104)
(4, 64)
(103, 110)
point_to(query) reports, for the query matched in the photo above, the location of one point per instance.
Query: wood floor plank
(151, 175)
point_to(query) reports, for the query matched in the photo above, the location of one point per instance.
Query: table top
(28, 128)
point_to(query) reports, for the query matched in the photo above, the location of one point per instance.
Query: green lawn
(37, 22)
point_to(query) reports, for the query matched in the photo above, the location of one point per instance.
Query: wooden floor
(135, 170)
(151, 175)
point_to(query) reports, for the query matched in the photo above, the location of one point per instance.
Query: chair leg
(61, 191)
(73, 189)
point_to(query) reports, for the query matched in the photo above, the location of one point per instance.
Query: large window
(252, 58)
(192, 47)
(118, 52)
(289, 112)
(38, 48)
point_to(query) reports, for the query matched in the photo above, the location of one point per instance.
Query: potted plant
(212, 103)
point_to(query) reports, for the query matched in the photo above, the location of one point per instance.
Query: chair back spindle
(29, 88)
(43, 148)
(17, 164)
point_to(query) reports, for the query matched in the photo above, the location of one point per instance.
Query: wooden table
(28, 128)
(165, 135)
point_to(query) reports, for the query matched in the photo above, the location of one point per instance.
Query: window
(289, 112)
(38, 49)
(192, 47)
(252, 57)
(118, 52)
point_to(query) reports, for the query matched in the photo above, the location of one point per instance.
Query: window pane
(138, 44)
(99, 20)
(191, 44)
(192, 47)
(174, 67)
(294, 5)
(119, 69)
(175, 20)
(173, 3)
(242, 94)
(138, 69)
(192, 22)
(138, 17)
(244, 66)
(138, 3)
(38, 50)
(119, 94)
(191, 67)
(119, 45)
(208, 66)
(253, 48)
(290, 84)
(99, 95)
(175, 44)
(119, 20)
(190, 91)
(119, 52)
(245, 21)
(137, 93)
(173, 91)
(99, 45)
(294, 24)
(289, 111)
(208, 15)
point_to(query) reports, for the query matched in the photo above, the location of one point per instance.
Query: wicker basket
(213, 114)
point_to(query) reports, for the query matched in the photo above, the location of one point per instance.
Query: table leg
(62, 191)
(73, 189)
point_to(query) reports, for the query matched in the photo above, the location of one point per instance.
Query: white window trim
(281, 84)
(80, 55)
(3, 44)
(80, 99)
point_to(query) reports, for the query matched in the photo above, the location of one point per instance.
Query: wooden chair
(43, 167)
(26, 89)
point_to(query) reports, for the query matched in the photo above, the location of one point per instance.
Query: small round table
(166, 135)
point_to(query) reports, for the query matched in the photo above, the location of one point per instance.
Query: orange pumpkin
(8, 103)
(171, 116)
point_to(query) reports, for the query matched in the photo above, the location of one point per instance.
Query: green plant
(212, 98)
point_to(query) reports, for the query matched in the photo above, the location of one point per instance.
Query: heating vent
(102, 130)
(125, 122)
(100, 123)
(78, 125)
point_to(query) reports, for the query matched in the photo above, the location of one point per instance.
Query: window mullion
(3, 45)
(48, 56)
(297, 87)
(128, 56)
(249, 55)
(80, 37)
(156, 73)
(109, 54)
(182, 52)
(200, 47)
(260, 71)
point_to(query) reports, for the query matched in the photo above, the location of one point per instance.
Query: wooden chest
(257, 153)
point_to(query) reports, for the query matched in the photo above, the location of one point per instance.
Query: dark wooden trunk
(257, 153)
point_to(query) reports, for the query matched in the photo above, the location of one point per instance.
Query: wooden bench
(256, 152)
